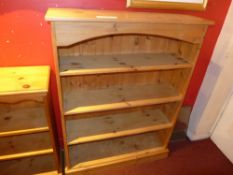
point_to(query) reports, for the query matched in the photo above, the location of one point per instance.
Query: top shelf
(102, 64)
(24, 80)
(69, 14)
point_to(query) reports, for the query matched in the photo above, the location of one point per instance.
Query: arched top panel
(68, 33)
(129, 44)
(74, 25)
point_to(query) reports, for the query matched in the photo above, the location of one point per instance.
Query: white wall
(223, 132)
(216, 86)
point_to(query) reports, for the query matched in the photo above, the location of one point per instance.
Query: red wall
(25, 36)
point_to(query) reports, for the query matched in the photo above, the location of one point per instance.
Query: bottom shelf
(27, 166)
(117, 124)
(101, 153)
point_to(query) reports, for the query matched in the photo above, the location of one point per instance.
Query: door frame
(216, 86)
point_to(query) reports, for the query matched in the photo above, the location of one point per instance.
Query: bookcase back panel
(118, 123)
(88, 82)
(68, 33)
(113, 148)
(128, 44)
(165, 108)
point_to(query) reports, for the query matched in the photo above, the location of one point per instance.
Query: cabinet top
(67, 14)
(24, 80)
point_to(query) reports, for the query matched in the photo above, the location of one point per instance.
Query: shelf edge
(119, 134)
(123, 105)
(122, 70)
(25, 131)
(159, 152)
(26, 154)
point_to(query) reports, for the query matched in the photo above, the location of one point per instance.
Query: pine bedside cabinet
(27, 144)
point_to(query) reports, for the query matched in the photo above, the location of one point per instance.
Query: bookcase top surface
(24, 80)
(69, 14)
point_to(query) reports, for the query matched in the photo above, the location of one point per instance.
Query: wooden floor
(192, 158)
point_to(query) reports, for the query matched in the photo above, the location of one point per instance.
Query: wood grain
(68, 14)
(84, 101)
(26, 128)
(21, 80)
(106, 152)
(94, 84)
(121, 80)
(22, 118)
(68, 33)
(116, 124)
(32, 165)
(60, 98)
(124, 44)
(102, 64)
(25, 145)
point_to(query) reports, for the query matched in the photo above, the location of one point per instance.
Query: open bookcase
(122, 78)
(27, 135)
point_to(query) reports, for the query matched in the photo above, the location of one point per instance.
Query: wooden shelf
(26, 131)
(94, 100)
(26, 154)
(80, 15)
(115, 125)
(101, 153)
(22, 118)
(25, 146)
(32, 165)
(102, 64)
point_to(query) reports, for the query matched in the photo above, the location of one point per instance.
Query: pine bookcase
(122, 78)
(27, 144)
